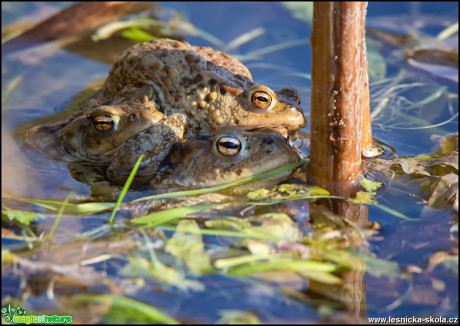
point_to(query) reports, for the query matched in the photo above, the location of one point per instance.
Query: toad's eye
(228, 145)
(103, 123)
(261, 99)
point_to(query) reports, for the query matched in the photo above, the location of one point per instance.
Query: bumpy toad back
(211, 87)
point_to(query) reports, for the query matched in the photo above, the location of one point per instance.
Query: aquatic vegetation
(271, 251)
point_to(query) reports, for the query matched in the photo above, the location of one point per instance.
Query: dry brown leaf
(444, 190)
(73, 21)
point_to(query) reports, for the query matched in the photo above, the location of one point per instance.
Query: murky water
(42, 80)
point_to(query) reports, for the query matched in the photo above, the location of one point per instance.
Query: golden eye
(261, 99)
(103, 123)
(228, 145)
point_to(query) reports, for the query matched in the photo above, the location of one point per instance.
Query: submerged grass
(70, 208)
(227, 233)
(393, 109)
(169, 215)
(315, 270)
(126, 310)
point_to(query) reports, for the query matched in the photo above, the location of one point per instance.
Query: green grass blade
(309, 266)
(131, 307)
(394, 213)
(232, 262)
(257, 177)
(58, 217)
(169, 215)
(126, 187)
(91, 208)
(55, 205)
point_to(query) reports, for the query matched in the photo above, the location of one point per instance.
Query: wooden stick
(339, 95)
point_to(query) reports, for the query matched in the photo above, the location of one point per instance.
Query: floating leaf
(187, 244)
(291, 190)
(257, 247)
(20, 216)
(410, 165)
(228, 223)
(275, 226)
(287, 191)
(448, 144)
(8, 257)
(160, 273)
(443, 164)
(259, 194)
(363, 197)
(369, 185)
(278, 225)
(444, 190)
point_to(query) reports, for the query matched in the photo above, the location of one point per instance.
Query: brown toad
(211, 87)
(190, 91)
(230, 154)
(94, 134)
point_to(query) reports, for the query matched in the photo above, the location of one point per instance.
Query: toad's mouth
(47, 141)
(287, 124)
(283, 131)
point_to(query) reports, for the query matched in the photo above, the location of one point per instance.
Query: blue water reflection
(279, 55)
